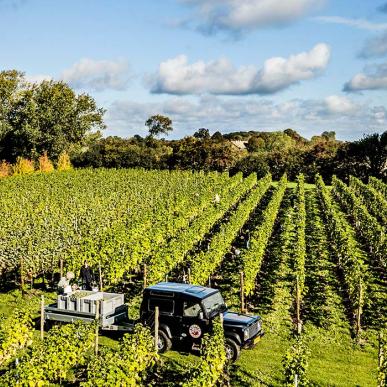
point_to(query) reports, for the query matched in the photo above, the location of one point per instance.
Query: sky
(227, 65)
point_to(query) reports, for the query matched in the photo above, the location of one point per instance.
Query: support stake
(96, 326)
(61, 268)
(359, 309)
(298, 306)
(145, 275)
(242, 279)
(156, 328)
(42, 318)
(100, 276)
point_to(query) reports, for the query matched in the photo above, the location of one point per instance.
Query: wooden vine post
(298, 306)
(145, 276)
(61, 267)
(156, 328)
(97, 304)
(21, 275)
(189, 275)
(380, 352)
(242, 293)
(359, 309)
(100, 276)
(42, 318)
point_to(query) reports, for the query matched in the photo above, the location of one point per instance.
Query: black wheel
(233, 350)
(164, 344)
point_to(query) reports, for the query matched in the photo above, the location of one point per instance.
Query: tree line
(50, 118)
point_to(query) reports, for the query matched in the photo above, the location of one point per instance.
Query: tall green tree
(48, 116)
(159, 124)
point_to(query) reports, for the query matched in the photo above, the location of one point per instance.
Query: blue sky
(311, 65)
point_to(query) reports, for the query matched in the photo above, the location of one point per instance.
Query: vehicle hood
(238, 319)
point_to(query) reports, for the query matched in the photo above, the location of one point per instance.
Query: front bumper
(251, 343)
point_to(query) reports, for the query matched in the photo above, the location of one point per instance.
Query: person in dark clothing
(86, 275)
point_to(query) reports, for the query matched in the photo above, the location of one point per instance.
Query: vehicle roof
(188, 289)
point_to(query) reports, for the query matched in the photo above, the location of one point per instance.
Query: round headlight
(246, 333)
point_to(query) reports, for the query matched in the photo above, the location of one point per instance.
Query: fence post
(100, 276)
(242, 280)
(96, 326)
(42, 318)
(189, 275)
(156, 328)
(61, 267)
(145, 276)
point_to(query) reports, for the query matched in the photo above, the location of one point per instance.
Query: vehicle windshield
(214, 303)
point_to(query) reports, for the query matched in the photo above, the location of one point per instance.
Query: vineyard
(311, 259)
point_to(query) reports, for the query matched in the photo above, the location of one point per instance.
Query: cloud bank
(177, 76)
(356, 23)
(373, 78)
(236, 16)
(375, 47)
(98, 75)
(348, 118)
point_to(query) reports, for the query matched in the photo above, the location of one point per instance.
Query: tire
(165, 343)
(233, 350)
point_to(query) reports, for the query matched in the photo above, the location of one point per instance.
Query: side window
(191, 309)
(165, 306)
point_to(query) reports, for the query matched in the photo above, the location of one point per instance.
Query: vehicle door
(166, 312)
(193, 325)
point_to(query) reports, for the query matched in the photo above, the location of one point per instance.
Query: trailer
(82, 305)
(186, 313)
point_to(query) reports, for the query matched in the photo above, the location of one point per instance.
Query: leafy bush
(5, 169)
(45, 165)
(64, 163)
(23, 166)
(295, 363)
(126, 367)
(213, 362)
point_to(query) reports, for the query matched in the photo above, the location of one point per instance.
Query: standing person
(86, 275)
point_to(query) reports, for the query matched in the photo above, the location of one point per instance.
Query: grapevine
(259, 238)
(351, 258)
(205, 263)
(213, 360)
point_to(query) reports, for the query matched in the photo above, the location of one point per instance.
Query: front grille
(254, 329)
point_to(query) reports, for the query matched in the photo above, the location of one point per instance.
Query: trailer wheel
(233, 350)
(164, 344)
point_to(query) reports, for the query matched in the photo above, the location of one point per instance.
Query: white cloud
(177, 76)
(37, 78)
(240, 15)
(98, 75)
(356, 23)
(336, 104)
(373, 78)
(347, 118)
(375, 47)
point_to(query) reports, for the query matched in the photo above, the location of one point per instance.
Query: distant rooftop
(194, 290)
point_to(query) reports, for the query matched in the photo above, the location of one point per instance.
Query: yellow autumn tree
(23, 166)
(64, 163)
(45, 165)
(5, 169)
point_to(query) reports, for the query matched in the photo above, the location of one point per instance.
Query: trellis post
(156, 328)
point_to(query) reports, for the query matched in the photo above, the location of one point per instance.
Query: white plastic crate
(87, 304)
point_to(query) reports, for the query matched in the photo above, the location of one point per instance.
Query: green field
(328, 240)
